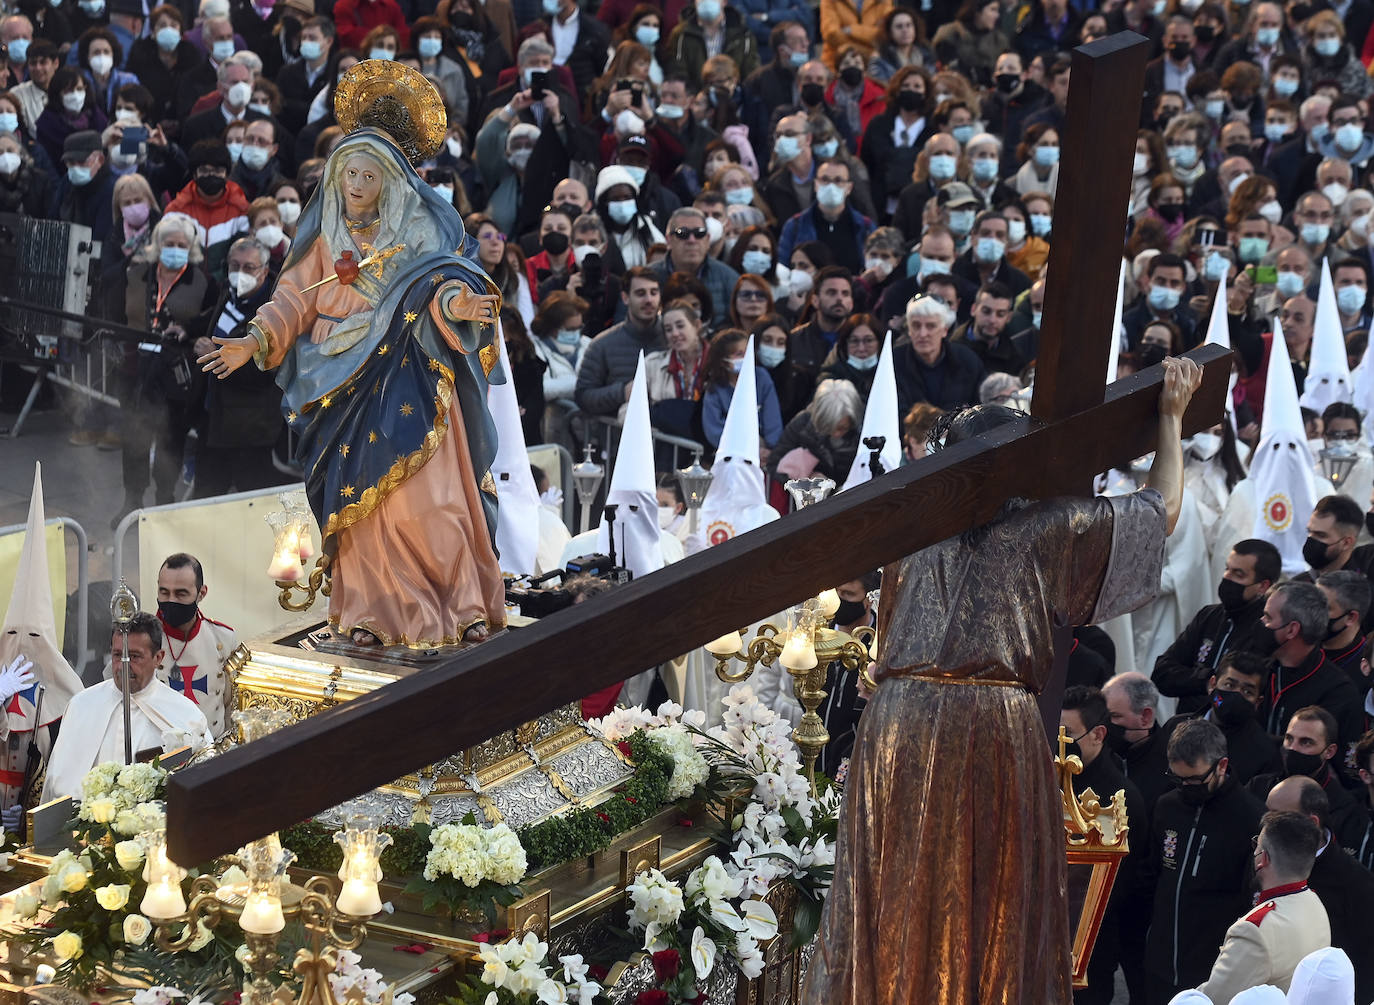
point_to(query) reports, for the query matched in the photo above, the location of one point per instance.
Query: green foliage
(316, 849)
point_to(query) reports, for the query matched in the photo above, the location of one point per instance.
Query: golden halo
(392, 97)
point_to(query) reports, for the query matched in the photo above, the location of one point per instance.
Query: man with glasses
(1347, 138)
(789, 188)
(1197, 853)
(1343, 442)
(1347, 605)
(688, 243)
(1233, 697)
(830, 220)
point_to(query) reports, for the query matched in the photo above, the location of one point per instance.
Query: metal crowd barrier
(83, 584)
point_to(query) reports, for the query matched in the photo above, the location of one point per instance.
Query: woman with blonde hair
(735, 183)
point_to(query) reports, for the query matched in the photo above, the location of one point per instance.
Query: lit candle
(799, 653)
(829, 602)
(359, 898)
(727, 645)
(44, 974)
(285, 567)
(262, 914)
(163, 899)
(306, 545)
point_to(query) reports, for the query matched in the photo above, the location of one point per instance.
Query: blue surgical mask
(1327, 47)
(1163, 299)
(1252, 249)
(637, 173)
(570, 336)
(867, 363)
(1217, 267)
(786, 148)
(943, 166)
(9, 122)
(961, 221)
(1184, 156)
(1315, 233)
(222, 49)
(985, 169)
(670, 111)
(707, 10)
(798, 59)
(1290, 284)
(1035, 317)
(19, 50)
(988, 250)
(78, 174)
(168, 38)
(771, 355)
(235, 151)
(1351, 299)
(379, 53)
(1320, 131)
(932, 267)
(1040, 224)
(757, 262)
(429, 47)
(737, 365)
(646, 35)
(622, 211)
(312, 50)
(1214, 109)
(1285, 87)
(551, 7)
(1349, 136)
(739, 196)
(830, 196)
(174, 258)
(1046, 156)
(962, 134)
(1277, 132)
(1267, 37)
(827, 149)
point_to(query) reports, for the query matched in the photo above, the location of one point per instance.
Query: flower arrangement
(518, 972)
(470, 868)
(351, 978)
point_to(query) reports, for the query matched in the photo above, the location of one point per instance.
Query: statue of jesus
(949, 884)
(381, 329)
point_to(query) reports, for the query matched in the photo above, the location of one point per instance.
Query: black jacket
(1250, 751)
(950, 384)
(1200, 863)
(1346, 816)
(1347, 891)
(1315, 681)
(588, 56)
(965, 267)
(1181, 671)
(1146, 764)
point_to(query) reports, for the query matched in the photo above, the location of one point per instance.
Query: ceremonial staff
(33, 755)
(123, 607)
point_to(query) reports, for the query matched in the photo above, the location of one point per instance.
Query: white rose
(112, 897)
(137, 928)
(67, 946)
(25, 904)
(129, 855)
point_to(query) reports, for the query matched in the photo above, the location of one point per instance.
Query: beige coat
(1266, 945)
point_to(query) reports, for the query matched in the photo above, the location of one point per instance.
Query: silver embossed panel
(525, 799)
(590, 767)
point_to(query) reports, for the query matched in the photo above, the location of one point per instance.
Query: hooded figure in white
(1328, 372)
(1285, 488)
(640, 545)
(881, 418)
(1323, 977)
(29, 636)
(735, 503)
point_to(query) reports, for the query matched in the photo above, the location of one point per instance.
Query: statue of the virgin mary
(381, 328)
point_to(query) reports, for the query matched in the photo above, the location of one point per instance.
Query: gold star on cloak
(346, 491)
(326, 401)
(407, 408)
(290, 416)
(383, 350)
(344, 449)
(410, 317)
(371, 437)
(434, 364)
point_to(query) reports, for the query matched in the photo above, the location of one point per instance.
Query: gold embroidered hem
(401, 640)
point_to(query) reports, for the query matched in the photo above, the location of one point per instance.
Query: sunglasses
(752, 294)
(685, 233)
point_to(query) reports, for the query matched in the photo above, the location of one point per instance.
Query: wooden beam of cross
(223, 803)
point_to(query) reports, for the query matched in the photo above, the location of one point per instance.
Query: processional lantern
(587, 477)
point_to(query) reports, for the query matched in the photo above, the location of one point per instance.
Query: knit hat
(522, 129)
(209, 152)
(612, 176)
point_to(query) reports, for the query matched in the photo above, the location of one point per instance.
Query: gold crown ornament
(390, 96)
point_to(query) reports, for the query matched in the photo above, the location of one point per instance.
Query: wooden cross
(1083, 429)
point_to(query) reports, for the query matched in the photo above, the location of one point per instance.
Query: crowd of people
(687, 179)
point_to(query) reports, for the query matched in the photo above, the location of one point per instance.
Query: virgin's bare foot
(362, 637)
(476, 633)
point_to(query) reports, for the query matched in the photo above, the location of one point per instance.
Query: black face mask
(1315, 553)
(1231, 708)
(852, 76)
(1333, 629)
(1150, 354)
(1117, 742)
(1170, 211)
(849, 612)
(1195, 795)
(176, 614)
(812, 94)
(1238, 150)
(1297, 763)
(1232, 595)
(1241, 102)
(1204, 33)
(554, 243)
(910, 101)
(1369, 521)
(211, 185)
(1180, 51)
(1072, 749)
(1008, 82)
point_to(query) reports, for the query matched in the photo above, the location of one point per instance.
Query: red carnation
(666, 964)
(631, 799)
(603, 816)
(624, 747)
(652, 998)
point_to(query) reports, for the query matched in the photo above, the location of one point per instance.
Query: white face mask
(74, 101)
(714, 229)
(581, 251)
(127, 116)
(102, 64)
(9, 162)
(243, 283)
(881, 266)
(666, 516)
(1205, 446)
(240, 94)
(270, 236)
(290, 211)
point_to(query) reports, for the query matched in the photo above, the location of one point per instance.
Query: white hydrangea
(472, 854)
(689, 766)
(503, 856)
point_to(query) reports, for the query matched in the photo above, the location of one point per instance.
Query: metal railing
(83, 583)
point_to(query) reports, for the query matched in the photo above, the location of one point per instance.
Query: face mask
(714, 230)
(1334, 627)
(1252, 249)
(311, 50)
(102, 64)
(1231, 709)
(9, 163)
(1184, 157)
(771, 355)
(1297, 763)
(127, 117)
(985, 170)
(240, 94)
(270, 235)
(1285, 87)
(581, 251)
(988, 250)
(569, 336)
(1204, 33)
(289, 211)
(222, 49)
(1151, 353)
(910, 101)
(1035, 318)
(1236, 183)
(174, 258)
(1140, 166)
(708, 10)
(1163, 299)
(830, 196)
(1194, 796)
(1349, 136)
(943, 166)
(638, 174)
(1170, 212)
(1351, 299)
(1117, 741)
(1046, 156)
(1315, 233)
(9, 122)
(961, 221)
(867, 363)
(1040, 224)
(622, 211)
(382, 53)
(1277, 132)
(666, 516)
(1289, 284)
(242, 283)
(1267, 37)
(168, 38)
(1327, 47)
(1016, 231)
(849, 612)
(739, 196)
(78, 174)
(737, 365)
(827, 149)
(786, 148)
(1232, 595)
(210, 186)
(670, 111)
(852, 76)
(932, 267)
(19, 50)
(757, 262)
(1214, 109)
(646, 35)
(176, 614)
(881, 266)
(429, 47)
(1360, 225)
(91, 8)
(1320, 131)
(1369, 522)
(1217, 267)
(74, 101)
(554, 243)
(255, 158)
(1006, 82)
(519, 159)
(812, 94)
(1315, 553)
(962, 134)
(135, 214)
